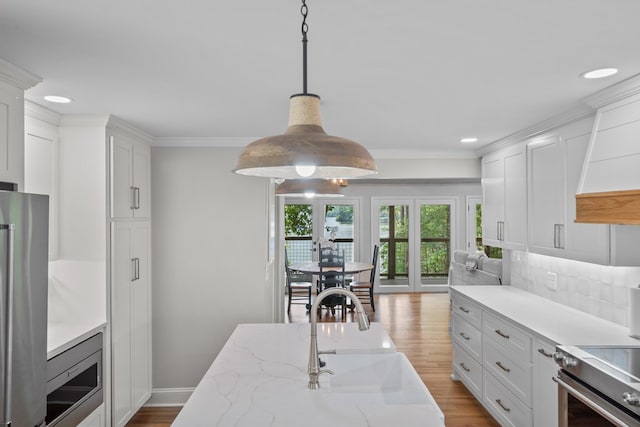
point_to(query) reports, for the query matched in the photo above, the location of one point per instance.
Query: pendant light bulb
(305, 171)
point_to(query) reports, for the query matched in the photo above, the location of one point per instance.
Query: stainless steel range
(598, 386)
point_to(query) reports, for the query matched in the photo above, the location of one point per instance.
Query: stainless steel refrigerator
(24, 235)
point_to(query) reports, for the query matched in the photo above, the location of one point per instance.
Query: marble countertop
(259, 378)
(76, 303)
(556, 322)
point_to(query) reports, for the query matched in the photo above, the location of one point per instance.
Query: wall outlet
(552, 281)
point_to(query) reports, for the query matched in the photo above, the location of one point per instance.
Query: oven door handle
(590, 403)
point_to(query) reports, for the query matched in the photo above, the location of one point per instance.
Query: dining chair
(332, 274)
(298, 286)
(364, 290)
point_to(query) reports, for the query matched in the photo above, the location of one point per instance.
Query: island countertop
(259, 378)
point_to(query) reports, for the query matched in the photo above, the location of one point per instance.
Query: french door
(309, 222)
(416, 238)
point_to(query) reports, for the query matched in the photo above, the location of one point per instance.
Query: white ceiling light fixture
(305, 150)
(57, 99)
(308, 188)
(599, 73)
(468, 140)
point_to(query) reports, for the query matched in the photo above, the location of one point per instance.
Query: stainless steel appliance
(598, 386)
(24, 231)
(74, 383)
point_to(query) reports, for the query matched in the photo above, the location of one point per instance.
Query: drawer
(467, 336)
(503, 405)
(468, 370)
(507, 334)
(468, 310)
(514, 372)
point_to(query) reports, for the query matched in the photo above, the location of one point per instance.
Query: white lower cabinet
(504, 405)
(545, 397)
(506, 368)
(131, 318)
(96, 419)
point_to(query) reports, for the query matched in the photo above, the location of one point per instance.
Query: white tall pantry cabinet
(104, 218)
(130, 227)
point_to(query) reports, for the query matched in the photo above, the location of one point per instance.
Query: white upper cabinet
(554, 166)
(504, 186)
(130, 176)
(13, 83)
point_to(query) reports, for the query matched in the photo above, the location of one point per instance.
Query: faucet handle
(325, 371)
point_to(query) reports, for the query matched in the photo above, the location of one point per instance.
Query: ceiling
(411, 76)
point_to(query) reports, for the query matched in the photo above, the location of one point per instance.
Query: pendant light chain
(304, 10)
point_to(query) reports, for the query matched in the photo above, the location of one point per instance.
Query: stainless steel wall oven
(598, 386)
(74, 383)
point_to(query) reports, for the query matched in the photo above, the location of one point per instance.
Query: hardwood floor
(419, 326)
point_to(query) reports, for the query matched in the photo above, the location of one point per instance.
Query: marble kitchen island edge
(259, 378)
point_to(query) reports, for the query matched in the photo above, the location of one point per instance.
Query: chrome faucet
(314, 370)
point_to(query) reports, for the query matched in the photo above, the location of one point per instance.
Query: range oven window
(74, 390)
(581, 415)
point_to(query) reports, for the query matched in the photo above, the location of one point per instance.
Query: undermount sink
(377, 379)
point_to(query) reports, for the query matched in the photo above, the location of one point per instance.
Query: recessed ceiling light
(599, 73)
(57, 99)
(468, 140)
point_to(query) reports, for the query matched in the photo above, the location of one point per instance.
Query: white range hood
(609, 188)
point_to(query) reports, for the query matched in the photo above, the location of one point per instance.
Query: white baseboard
(169, 396)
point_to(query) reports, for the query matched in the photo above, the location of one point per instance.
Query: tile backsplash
(599, 290)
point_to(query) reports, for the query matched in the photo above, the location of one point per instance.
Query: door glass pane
(393, 231)
(298, 232)
(435, 241)
(338, 228)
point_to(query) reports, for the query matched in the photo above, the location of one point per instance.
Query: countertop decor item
(305, 150)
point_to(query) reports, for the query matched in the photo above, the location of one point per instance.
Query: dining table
(313, 267)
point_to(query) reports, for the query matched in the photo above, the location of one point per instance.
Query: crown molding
(103, 120)
(16, 76)
(614, 93)
(578, 112)
(38, 112)
(203, 142)
(118, 123)
(84, 120)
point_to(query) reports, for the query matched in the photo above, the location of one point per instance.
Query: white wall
(417, 168)
(210, 255)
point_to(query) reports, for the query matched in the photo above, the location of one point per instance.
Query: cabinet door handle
(463, 309)
(501, 366)
(544, 353)
(502, 334)
(499, 402)
(135, 269)
(135, 198)
(463, 335)
(464, 367)
(557, 236)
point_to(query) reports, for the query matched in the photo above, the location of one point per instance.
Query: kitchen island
(259, 378)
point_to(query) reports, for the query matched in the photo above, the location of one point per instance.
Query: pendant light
(305, 150)
(308, 188)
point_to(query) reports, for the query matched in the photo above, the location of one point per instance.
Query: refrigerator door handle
(6, 330)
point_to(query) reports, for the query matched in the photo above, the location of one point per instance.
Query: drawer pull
(464, 367)
(464, 309)
(499, 402)
(501, 366)
(502, 334)
(463, 335)
(544, 353)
